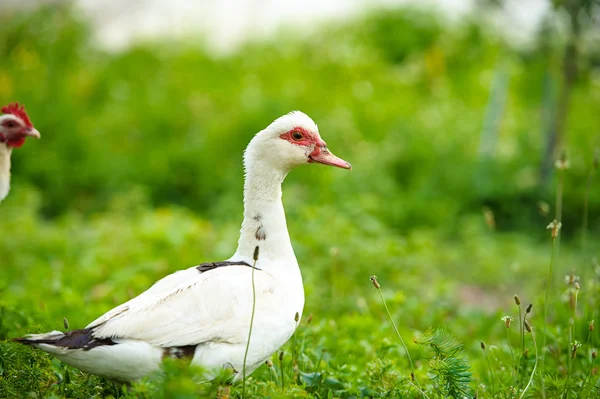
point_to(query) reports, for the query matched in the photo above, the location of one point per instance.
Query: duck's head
(290, 141)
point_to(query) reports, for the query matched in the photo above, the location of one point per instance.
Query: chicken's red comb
(18, 111)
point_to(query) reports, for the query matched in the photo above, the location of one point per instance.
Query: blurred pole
(491, 129)
(494, 112)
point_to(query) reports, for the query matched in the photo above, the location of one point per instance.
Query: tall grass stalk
(572, 344)
(316, 372)
(487, 358)
(555, 229)
(586, 197)
(522, 356)
(521, 338)
(418, 389)
(297, 322)
(303, 342)
(273, 373)
(251, 324)
(319, 361)
(507, 321)
(561, 165)
(412, 367)
(281, 369)
(589, 373)
(530, 330)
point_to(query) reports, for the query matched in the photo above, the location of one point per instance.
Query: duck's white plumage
(205, 311)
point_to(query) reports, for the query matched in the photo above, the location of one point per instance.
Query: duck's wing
(192, 306)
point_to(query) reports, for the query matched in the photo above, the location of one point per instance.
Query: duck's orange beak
(322, 155)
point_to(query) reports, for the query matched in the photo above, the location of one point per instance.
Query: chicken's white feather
(5, 152)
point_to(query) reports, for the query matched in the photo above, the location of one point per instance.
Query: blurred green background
(437, 121)
(448, 128)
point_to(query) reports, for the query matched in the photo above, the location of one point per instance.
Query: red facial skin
(16, 138)
(15, 141)
(308, 138)
(320, 153)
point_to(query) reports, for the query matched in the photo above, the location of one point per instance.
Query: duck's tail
(118, 359)
(59, 341)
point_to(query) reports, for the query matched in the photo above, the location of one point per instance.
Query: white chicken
(15, 127)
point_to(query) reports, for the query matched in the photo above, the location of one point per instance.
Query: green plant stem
(412, 367)
(559, 195)
(589, 337)
(317, 368)
(571, 343)
(319, 363)
(512, 356)
(534, 367)
(589, 373)
(487, 358)
(547, 295)
(249, 332)
(294, 350)
(274, 377)
(586, 197)
(522, 338)
(282, 375)
(418, 389)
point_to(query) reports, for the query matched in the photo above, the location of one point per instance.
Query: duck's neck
(264, 222)
(4, 170)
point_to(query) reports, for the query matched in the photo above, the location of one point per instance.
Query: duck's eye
(297, 136)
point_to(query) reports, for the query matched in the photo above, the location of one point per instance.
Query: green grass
(138, 174)
(79, 268)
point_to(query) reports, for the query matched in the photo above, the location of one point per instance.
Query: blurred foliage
(139, 174)
(399, 94)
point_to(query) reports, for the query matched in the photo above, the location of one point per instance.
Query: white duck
(204, 312)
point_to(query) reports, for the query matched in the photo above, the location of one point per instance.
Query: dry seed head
(544, 208)
(256, 253)
(482, 344)
(66, 323)
(568, 279)
(594, 354)
(591, 325)
(576, 285)
(528, 310)
(281, 356)
(490, 220)
(269, 363)
(571, 278)
(562, 163)
(296, 317)
(507, 320)
(374, 281)
(527, 326)
(310, 317)
(517, 300)
(576, 345)
(555, 226)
